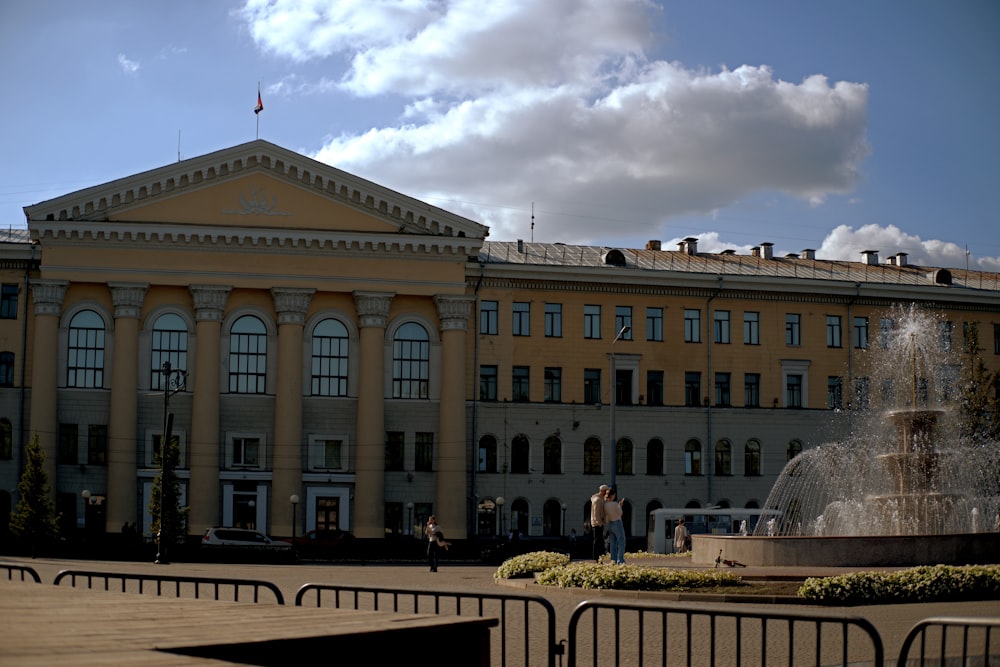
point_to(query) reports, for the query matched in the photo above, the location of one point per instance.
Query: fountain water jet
(904, 490)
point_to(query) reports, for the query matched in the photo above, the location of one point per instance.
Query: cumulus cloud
(501, 105)
(128, 66)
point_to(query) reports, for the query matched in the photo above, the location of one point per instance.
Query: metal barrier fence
(23, 571)
(181, 586)
(527, 622)
(956, 641)
(617, 633)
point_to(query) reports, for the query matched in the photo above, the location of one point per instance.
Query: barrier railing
(526, 632)
(952, 641)
(161, 584)
(22, 571)
(617, 633)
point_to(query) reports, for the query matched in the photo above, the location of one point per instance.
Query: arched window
(487, 454)
(552, 515)
(751, 458)
(692, 458)
(168, 343)
(248, 356)
(85, 351)
(794, 449)
(329, 358)
(519, 455)
(411, 355)
(723, 458)
(654, 457)
(519, 517)
(592, 457)
(623, 457)
(6, 369)
(553, 455)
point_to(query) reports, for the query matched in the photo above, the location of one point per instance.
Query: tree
(33, 520)
(167, 491)
(980, 396)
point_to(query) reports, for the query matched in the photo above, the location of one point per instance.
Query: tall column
(451, 505)
(291, 305)
(203, 490)
(369, 447)
(127, 299)
(44, 421)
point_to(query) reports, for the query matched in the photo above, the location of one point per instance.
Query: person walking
(597, 521)
(616, 528)
(681, 536)
(433, 544)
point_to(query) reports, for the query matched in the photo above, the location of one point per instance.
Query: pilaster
(48, 296)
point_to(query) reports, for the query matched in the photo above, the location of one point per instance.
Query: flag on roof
(260, 103)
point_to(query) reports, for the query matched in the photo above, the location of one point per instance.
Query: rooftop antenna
(178, 145)
(966, 257)
(532, 222)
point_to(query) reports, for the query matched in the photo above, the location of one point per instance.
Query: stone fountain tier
(918, 513)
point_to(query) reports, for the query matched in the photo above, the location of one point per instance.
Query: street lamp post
(409, 518)
(614, 399)
(294, 499)
(500, 505)
(173, 382)
(563, 528)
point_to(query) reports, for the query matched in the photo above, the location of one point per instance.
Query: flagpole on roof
(257, 109)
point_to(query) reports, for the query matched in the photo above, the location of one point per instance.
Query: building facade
(344, 356)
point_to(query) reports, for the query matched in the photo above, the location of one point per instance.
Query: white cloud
(128, 66)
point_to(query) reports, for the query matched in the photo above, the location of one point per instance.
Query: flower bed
(918, 584)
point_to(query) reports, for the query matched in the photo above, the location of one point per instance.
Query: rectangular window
(723, 392)
(246, 452)
(328, 453)
(623, 318)
(751, 328)
(793, 391)
(692, 325)
(654, 388)
(946, 331)
(487, 383)
(862, 393)
(885, 329)
(423, 452)
(8, 302)
(692, 388)
(520, 383)
(833, 331)
(553, 320)
(592, 386)
(6, 369)
(553, 385)
(654, 324)
(861, 333)
(751, 390)
(996, 339)
(489, 317)
(722, 334)
(69, 439)
(394, 450)
(97, 445)
(521, 323)
(793, 329)
(834, 392)
(591, 321)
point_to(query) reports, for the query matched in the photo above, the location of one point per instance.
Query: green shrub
(919, 584)
(630, 577)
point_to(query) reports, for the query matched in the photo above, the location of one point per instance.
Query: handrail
(198, 583)
(23, 570)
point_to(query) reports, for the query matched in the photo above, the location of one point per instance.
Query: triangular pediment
(257, 184)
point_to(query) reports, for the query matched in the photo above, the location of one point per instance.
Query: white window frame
(230, 451)
(317, 456)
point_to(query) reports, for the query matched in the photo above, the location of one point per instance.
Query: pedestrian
(433, 547)
(616, 528)
(597, 521)
(681, 536)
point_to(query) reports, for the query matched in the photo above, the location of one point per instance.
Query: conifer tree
(167, 491)
(33, 520)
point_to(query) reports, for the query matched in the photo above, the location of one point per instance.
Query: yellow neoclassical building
(354, 358)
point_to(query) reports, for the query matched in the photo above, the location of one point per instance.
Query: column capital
(291, 303)
(210, 301)
(453, 310)
(128, 298)
(373, 308)
(48, 295)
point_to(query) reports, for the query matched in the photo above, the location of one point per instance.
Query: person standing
(597, 521)
(433, 546)
(681, 536)
(616, 528)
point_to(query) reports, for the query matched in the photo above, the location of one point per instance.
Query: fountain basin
(848, 551)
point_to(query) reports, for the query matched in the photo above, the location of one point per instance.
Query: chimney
(870, 257)
(689, 245)
(520, 246)
(653, 244)
(755, 251)
(768, 250)
(900, 259)
(808, 253)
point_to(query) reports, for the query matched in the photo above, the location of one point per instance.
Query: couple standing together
(606, 515)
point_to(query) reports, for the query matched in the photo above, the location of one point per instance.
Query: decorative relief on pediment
(256, 202)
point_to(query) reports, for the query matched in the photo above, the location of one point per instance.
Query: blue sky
(839, 127)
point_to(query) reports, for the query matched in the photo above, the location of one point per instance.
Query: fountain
(903, 489)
